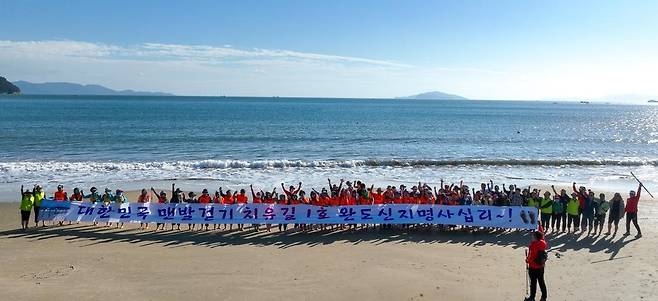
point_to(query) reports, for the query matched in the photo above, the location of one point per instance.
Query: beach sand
(80, 261)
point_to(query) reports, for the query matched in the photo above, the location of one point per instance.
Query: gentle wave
(87, 166)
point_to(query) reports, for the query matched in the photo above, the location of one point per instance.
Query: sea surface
(132, 142)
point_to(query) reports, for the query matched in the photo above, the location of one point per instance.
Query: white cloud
(227, 70)
(209, 70)
(156, 51)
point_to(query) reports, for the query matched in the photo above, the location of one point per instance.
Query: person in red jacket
(536, 260)
(631, 212)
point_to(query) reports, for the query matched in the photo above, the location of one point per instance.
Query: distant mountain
(57, 88)
(434, 95)
(7, 87)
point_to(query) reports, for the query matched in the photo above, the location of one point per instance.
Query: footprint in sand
(53, 273)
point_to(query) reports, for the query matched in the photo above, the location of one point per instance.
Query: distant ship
(652, 101)
(584, 102)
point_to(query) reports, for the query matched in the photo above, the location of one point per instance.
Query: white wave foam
(92, 166)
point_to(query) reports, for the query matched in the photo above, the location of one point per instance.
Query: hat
(119, 191)
(108, 190)
(162, 192)
(178, 190)
(93, 189)
(60, 186)
(204, 191)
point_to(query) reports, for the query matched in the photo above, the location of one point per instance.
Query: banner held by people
(479, 216)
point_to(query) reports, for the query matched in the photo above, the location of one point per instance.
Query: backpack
(541, 257)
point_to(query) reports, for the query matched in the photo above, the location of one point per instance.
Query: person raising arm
(631, 211)
(291, 191)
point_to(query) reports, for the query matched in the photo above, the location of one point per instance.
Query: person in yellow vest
(573, 209)
(27, 201)
(546, 209)
(39, 195)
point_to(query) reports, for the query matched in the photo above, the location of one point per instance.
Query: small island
(7, 87)
(652, 101)
(434, 95)
(65, 88)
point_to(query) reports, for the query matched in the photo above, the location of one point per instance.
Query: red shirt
(227, 200)
(241, 199)
(257, 200)
(581, 197)
(316, 201)
(143, 198)
(631, 204)
(378, 198)
(76, 197)
(535, 247)
(60, 196)
(204, 199)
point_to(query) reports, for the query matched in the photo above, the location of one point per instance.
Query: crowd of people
(580, 210)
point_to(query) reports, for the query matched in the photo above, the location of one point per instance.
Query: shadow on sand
(89, 235)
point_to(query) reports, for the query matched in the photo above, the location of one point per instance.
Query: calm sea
(131, 142)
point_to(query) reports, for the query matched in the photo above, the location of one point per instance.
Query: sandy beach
(62, 263)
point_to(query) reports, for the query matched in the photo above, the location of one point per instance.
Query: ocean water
(134, 142)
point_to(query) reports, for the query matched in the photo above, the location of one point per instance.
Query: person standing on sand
(144, 197)
(162, 199)
(120, 198)
(631, 212)
(204, 199)
(256, 198)
(27, 201)
(227, 199)
(76, 196)
(176, 198)
(546, 209)
(536, 261)
(191, 199)
(617, 210)
(558, 213)
(602, 207)
(39, 195)
(573, 208)
(241, 199)
(581, 193)
(93, 198)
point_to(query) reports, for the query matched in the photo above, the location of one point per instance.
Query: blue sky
(479, 49)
